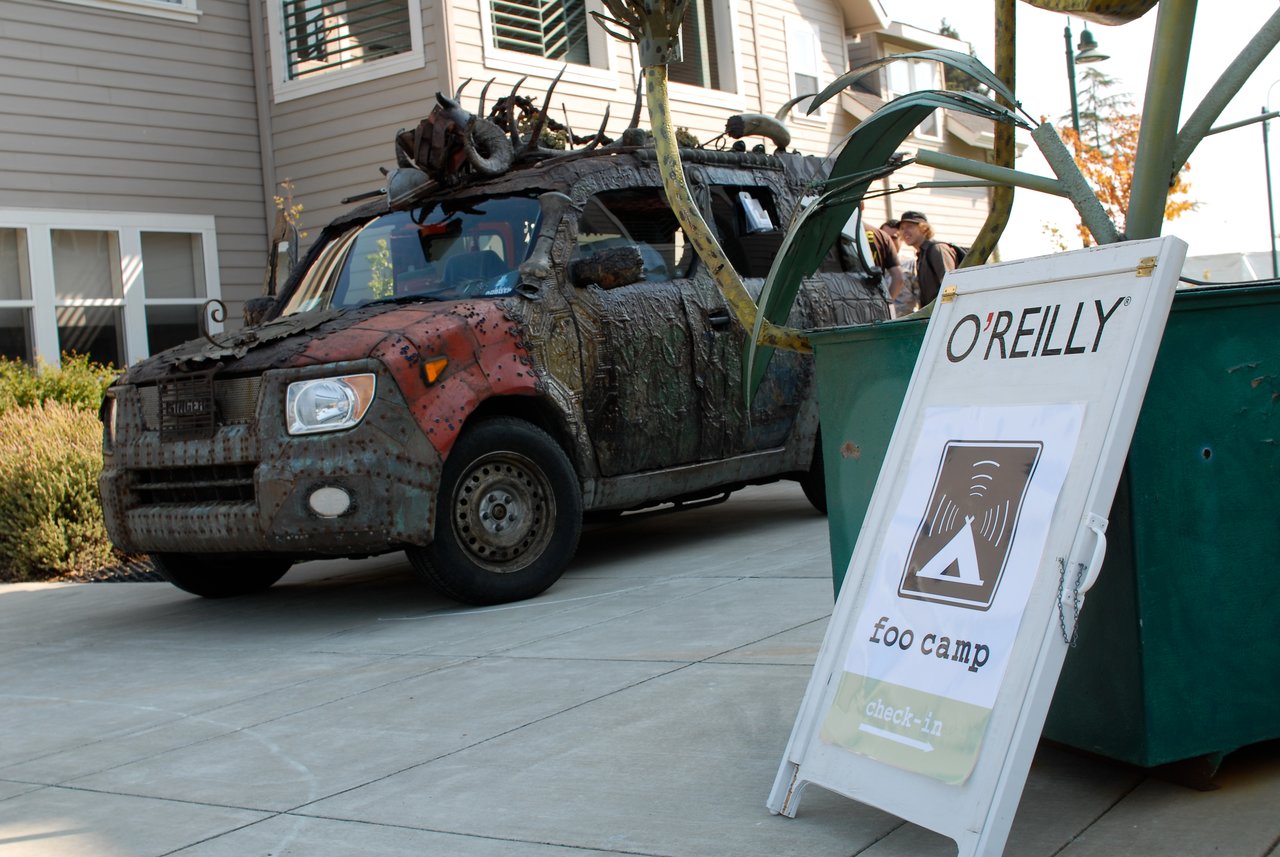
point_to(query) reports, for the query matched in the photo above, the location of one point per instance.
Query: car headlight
(328, 404)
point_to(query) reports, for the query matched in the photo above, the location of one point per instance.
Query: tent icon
(962, 544)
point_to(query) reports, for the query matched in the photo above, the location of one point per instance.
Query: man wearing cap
(933, 258)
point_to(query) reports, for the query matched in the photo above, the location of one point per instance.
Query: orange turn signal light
(433, 367)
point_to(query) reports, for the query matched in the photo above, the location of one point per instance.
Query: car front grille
(193, 407)
(235, 403)
(217, 483)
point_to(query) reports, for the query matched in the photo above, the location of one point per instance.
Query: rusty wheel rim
(503, 513)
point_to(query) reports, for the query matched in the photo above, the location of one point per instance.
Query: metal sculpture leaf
(952, 59)
(863, 156)
(1099, 11)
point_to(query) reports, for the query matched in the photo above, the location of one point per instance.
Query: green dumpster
(1178, 655)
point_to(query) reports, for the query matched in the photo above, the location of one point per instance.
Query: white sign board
(983, 533)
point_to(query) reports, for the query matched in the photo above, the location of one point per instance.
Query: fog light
(329, 502)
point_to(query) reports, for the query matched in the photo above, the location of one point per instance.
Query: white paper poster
(930, 647)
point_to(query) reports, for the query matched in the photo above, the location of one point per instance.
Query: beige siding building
(130, 172)
(332, 123)
(144, 140)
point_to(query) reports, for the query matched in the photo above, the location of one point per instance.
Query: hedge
(80, 382)
(50, 459)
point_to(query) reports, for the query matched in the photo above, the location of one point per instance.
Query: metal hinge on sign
(1147, 266)
(948, 294)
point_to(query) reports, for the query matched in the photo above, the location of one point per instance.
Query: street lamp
(1271, 208)
(1266, 161)
(1088, 52)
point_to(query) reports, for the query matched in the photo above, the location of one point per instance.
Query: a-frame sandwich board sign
(985, 528)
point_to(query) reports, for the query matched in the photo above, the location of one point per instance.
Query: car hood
(303, 339)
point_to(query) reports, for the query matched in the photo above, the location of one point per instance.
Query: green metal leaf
(862, 157)
(952, 59)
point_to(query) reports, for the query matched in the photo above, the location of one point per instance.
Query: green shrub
(50, 459)
(80, 383)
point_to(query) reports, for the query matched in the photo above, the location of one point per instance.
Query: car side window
(638, 216)
(748, 227)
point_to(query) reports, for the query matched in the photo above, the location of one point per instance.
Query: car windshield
(459, 249)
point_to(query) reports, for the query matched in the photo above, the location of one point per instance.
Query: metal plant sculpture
(654, 27)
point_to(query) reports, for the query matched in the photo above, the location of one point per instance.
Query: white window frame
(128, 227)
(600, 73)
(283, 89)
(729, 52)
(911, 65)
(173, 10)
(804, 56)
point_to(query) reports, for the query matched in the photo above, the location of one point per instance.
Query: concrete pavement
(640, 707)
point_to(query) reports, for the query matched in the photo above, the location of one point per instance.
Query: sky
(1228, 174)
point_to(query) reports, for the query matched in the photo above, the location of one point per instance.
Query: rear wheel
(814, 480)
(508, 515)
(220, 575)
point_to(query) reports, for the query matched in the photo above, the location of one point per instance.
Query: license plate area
(188, 409)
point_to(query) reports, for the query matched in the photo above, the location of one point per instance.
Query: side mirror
(256, 310)
(608, 269)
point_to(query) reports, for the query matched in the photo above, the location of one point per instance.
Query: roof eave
(863, 16)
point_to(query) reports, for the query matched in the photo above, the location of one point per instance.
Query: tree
(1096, 104)
(1107, 162)
(1109, 169)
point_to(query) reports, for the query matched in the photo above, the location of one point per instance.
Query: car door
(747, 224)
(642, 404)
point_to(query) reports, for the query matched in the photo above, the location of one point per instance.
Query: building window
(804, 58)
(15, 296)
(553, 29)
(699, 47)
(322, 44)
(114, 286)
(174, 10)
(543, 38)
(323, 35)
(173, 267)
(911, 76)
(89, 297)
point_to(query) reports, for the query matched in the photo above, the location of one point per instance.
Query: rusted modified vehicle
(464, 373)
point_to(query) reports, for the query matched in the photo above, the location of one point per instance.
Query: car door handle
(718, 319)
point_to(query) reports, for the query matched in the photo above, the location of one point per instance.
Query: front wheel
(508, 515)
(220, 575)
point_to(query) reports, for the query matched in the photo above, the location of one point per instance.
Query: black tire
(814, 481)
(508, 515)
(220, 575)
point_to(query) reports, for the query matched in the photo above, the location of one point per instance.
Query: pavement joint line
(481, 742)
(535, 603)
(244, 826)
(636, 612)
(879, 839)
(1095, 819)
(185, 801)
(684, 665)
(444, 832)
(458, 661)
(501, 649)
(180, 716)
